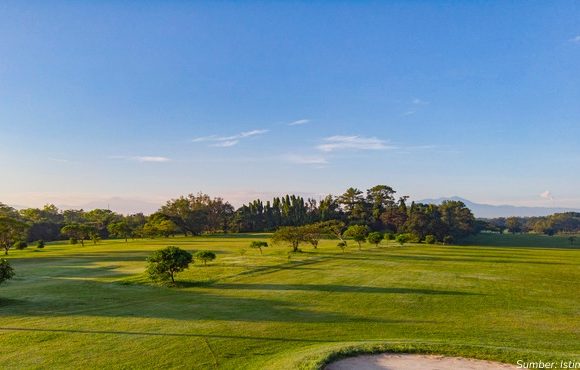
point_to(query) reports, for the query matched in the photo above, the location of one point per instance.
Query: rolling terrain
(92, 307)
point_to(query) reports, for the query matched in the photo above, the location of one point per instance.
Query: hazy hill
(491, 211)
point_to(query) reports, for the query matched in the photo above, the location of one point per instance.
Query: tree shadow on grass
(445, 258)
(158, 334)
(471, 259)
(91, 298)
(332, 288)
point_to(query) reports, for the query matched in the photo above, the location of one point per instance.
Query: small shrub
(20, 245)
(341, 245)
(40, 244)
(242, 251)
(205, 256)
(403, 238)
(73, 241)
(375, 238)
(358, 233)
(448, 239)
(430, 239)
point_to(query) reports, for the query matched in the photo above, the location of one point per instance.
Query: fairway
(92, 307)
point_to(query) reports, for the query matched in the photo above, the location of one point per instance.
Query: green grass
(91, 307)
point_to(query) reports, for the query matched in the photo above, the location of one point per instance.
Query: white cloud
(575, 39)
(228, 141)
(299, 159)
(150, 159)
(142, 159)
(333, 143)
(409, 113)
(225, 144)
(547, 195)
(299, 122)
(59, 160)
(418, 101)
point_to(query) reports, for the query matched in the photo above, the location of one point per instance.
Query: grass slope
(91, 307)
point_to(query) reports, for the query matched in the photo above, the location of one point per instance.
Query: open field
(91, 307)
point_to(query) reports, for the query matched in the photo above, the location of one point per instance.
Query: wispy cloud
(575, 39)
(300, 159)
(142, 159)
(547, 195)
(334, 143)
(299, 122)
(414, 106)
(228, 141)
(225, 144)
(59, 160)
(418, 101)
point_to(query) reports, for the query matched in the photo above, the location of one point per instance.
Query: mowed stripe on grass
(92, 306)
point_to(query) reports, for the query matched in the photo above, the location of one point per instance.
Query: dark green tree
(163, 264)
(12, 230)
(292, 235)
(6, 270)
(258, 245)
(205, 256)
(120, 229)
(354, 205)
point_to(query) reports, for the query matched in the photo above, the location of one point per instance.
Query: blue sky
(148, 100)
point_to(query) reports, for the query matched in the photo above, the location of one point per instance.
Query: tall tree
(11, 231)
(354, 205)
(380, 198)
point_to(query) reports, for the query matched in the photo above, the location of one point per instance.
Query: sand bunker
(391, 361)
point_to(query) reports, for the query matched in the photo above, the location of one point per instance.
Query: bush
(205, 256)
(358, 233)
(389, 236)
(403, 238)
(448, 239)
(341, 245)
(40, 244)
(20, 245)
(375, 238)
(165, 263)
(430, 239)
(6, 271)
(73, 241)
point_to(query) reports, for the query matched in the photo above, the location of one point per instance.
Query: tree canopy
(163, 264)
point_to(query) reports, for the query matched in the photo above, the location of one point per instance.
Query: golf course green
(504, 298)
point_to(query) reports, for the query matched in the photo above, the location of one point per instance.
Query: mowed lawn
(92, 307)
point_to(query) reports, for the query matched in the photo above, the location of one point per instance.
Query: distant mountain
(491, 211)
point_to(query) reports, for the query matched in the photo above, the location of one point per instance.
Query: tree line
(377, 209)
(558, 223)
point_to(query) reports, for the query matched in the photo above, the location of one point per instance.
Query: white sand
(391, 361)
